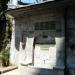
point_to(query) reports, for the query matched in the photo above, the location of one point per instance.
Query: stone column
(29, 48)
(60, 42)
(60, 49)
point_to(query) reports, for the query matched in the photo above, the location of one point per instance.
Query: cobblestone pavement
(13, 72)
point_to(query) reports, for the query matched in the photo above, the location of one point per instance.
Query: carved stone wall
(27, 25)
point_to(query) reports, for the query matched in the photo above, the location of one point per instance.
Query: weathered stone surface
(24, 70)
(56, 54)
(46, 59)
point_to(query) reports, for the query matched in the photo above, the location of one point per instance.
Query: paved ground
(13, 72)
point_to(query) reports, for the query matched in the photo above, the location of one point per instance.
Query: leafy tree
(5, 32)
(3, 8)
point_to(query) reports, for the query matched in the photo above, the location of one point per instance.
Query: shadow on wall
(17, 43)
(22, 38)
(60, 51)
(59, 57)
(25, 70)
(59, 40)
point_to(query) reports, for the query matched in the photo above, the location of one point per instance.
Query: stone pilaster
(60, 49)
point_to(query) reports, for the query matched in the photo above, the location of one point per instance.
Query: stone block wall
(15, 43)
(26, 25)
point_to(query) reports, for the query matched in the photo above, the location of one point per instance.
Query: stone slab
(7, 69)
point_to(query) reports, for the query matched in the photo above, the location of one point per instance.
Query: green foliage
(5, 57)
(5, 32)
(7, 37)
(9, 26)
(3, 22)
(3, 8)
(8, 31)
(3, 5)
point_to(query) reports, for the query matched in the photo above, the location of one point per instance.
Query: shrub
(5, 57)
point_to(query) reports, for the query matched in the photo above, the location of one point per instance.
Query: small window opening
(45, 36)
